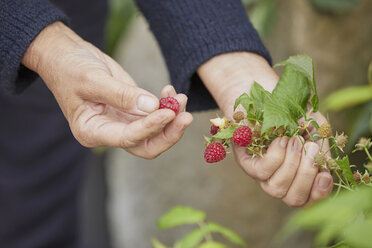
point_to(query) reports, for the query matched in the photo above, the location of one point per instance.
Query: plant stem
(321, 147)
(343, 186)
(330, 148)
(368, 154)
(311, 137)
(207, 235)
(339, 178)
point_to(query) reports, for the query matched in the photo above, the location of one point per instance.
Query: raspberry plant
(201, 237)
(343, 220)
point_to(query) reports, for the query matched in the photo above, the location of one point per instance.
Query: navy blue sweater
(189, 33)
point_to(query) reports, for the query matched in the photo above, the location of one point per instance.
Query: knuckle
(125, 97)
(276, 190)
(295, 201)
(263, 174)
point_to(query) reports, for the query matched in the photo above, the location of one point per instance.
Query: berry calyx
(238, 116)
(242, 136)
(214, 129)
(169, 103)
(214, 153)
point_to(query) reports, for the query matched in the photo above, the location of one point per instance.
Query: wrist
(228, 75)
(46, 46)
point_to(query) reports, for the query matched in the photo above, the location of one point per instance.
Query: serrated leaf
(347, 97)
(345, 167)
(288, 101)
(226, 133)
(226, 233)
(156, 244)
(212, 244)
(259, 96)
(245, 101)
(304, 64)
(191, 240)
(181, 215)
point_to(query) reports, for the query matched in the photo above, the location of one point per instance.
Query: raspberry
(242, 136)
(214, 129)
(238, 116)
(325, 131)
(169, 103)
(214, 152)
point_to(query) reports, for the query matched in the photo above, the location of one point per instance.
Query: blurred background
(131, 193)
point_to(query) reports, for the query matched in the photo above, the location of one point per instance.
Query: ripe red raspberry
(169, 103)
(214, 152)
(242, 136)
(214, 129)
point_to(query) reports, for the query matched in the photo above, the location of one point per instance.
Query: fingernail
(297, 144)
(324, 182)
(312, 150)
(283, 141)
(147, 103)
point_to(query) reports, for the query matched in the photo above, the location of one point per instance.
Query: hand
(102, 103)
(285, 171)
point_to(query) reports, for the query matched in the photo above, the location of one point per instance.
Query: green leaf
(245, 101)
(345, 167)
(370, 73)
(347, 97)
(288, 101)
(259, 96)
(180, 215)
(212, 244)
(192, 239)
(156, 244)
(304, 64)
(226, 133)
(227, 233)
(334, 6)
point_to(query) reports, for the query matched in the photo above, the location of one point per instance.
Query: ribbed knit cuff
(20, 22)
(193, 31)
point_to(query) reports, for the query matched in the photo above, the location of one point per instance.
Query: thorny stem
(207, 235)
(368, 154)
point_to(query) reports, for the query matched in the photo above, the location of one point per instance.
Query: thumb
(126, 97)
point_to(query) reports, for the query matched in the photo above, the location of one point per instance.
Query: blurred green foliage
(197, 238)
(120, 16)
(360, 96)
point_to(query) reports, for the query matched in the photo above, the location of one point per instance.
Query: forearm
(228, 75)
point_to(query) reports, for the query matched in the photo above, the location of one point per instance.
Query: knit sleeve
(190, 32)
(20, 22)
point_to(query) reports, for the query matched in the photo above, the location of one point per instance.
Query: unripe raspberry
(238, 116)
(320, 159)
(325, 131)
(357, 177)
(340, 140)
(332, 165)
(366, 179)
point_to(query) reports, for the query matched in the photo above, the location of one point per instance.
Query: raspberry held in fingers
(169, 103)
(242, 136)
(214, 153)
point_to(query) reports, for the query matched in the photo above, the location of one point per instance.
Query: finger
(263, 168)
(118, 72)
(128, 98)
(182, 100)
(117, 134)
(172, 133)
(299, 191)
(322, 187)
(278, 184)
(168, 91)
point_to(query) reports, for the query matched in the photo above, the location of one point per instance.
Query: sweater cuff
(193, 31)
(21, 22)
